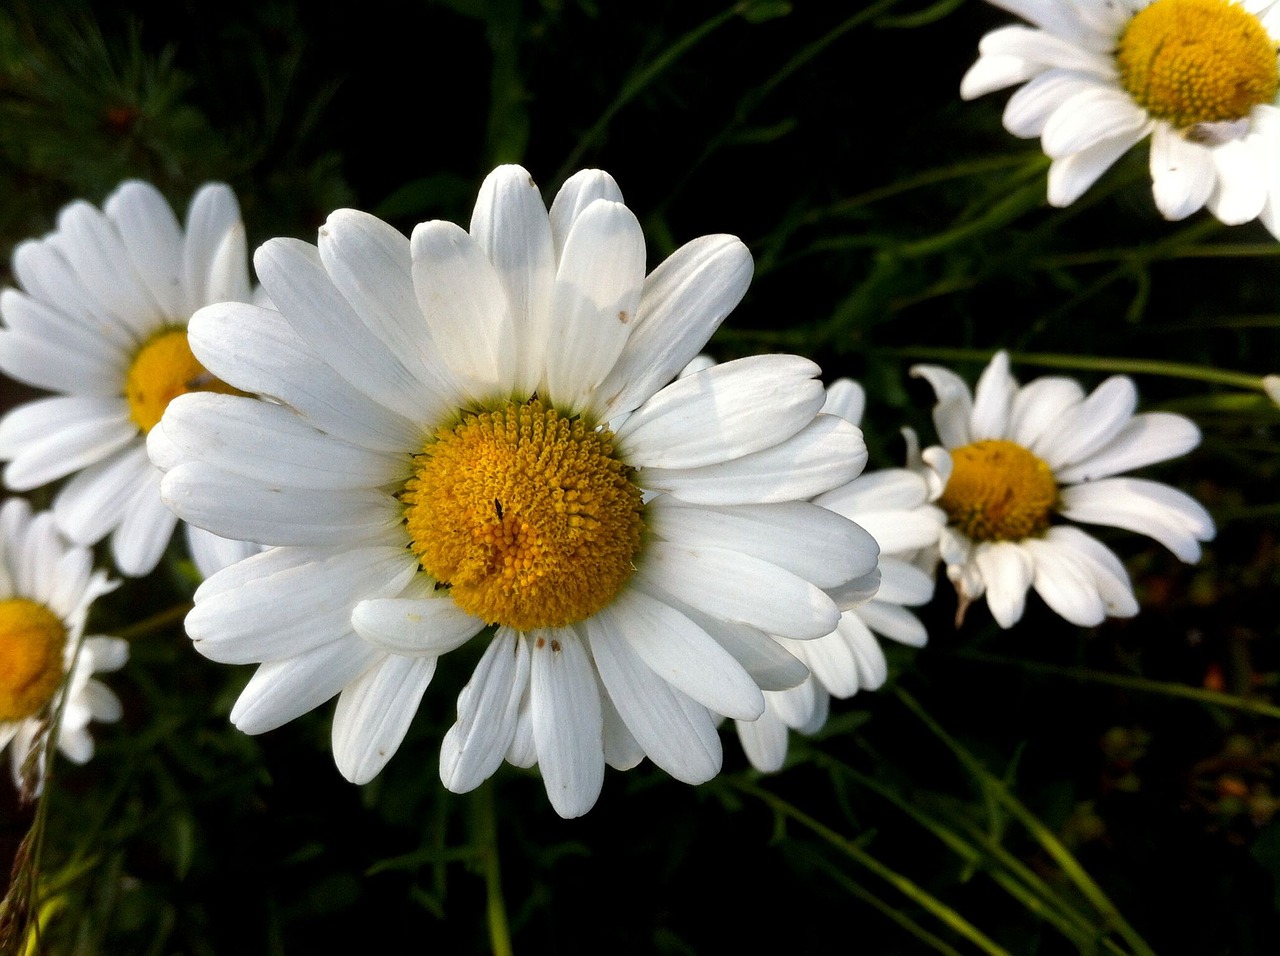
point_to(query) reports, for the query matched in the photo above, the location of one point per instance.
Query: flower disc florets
(999, 491)
(525, 514)
(32, 640)
(1197, 61)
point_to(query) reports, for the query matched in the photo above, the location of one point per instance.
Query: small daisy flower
(894, 506)
(480, 429)
(101, 321)
(46, 587)
(1025, 457)
(1197, 76)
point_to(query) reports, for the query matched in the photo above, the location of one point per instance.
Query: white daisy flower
(477, 429)
(1197, 76)
(46, 587)
(101, 321)
(1024, 457)
(894, 506)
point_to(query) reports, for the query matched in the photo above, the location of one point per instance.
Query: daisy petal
(374, 712)
(1065, 583)
(1144, 440)
(992, 399)
(1071, 175)
(1089, 426)
(153, 238)
(1007, 570)
(764, 741)
(487, 708)
(1170, 516)
(1182, 173)
(424, 627)
(280, 691)
(567, 724)
(952, 413)
(1109, 575)
(578, 192)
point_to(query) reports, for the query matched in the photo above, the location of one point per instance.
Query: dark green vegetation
(1044, 790)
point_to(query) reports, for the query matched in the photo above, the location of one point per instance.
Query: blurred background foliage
(1039, 791)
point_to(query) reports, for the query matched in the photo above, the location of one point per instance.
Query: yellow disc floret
(1197, 61)
(163, 369)
(999, 491)
(32, 640)
(526, 515)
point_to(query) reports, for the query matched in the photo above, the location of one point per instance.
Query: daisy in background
(101, 321)
(1025, 457)
(46, 587)
(894, 506)
(479, 429)
(1197, 76)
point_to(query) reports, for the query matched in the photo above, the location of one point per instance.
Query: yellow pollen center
(32, 639)
(163, 369)
(525, 515)
(999, 491)
(1197, 61)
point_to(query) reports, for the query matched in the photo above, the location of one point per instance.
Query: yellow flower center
(163, 369)
(1197, 61)
(32, 639)
(525, 515)
(999, 491)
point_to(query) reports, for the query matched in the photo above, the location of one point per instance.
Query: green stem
(156, 622)
(486, 828)
(902, 884)
(1129, 366)
(1069, 865)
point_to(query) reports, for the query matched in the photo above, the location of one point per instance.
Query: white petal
(1170, 516)
(802, 538)
(717, 415)
(567, 723)
(154, 241)
(893, 622)
(578, 192)
(995, 72)
(1242, 181)
(736, 587)
(211, 552)
(595, 301)
(682, 303)
(764, 741)
(1038, 408)
(1030, 107)
(1092, 116)
(845, 398)
(511, 225)
(295, 277)
(992, 399)
(51, 437)
(1071, 175)
(831, 661)
(466, 309)
(145, 529)
(1182, 173)
(685, 656)
(487, 707)
(257, 351)
(48, 361)
(827, 453)
(271, 444)
(236, 507)
(374, 712)
(213, 213)
(93, 502)
(1065, 582)
(903, 583)
(280, 691)
(677, 734)
(1007, 571)
(954, 408)
(1046, 49)
(1144, 440)
(426, 627)
(770, 665)
(1084, 429)
(1109, 575)
(296, 601)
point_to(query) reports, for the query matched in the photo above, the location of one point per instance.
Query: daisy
(46, 587)
(101, 321)
(477, 430)
(1197, 76)
(893, 505)
(1024, 457)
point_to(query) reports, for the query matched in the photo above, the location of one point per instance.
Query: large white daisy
(1024, 457)
(1197, 76)
(476, 428)
(894, 506)
(101, 321)
(46, 587)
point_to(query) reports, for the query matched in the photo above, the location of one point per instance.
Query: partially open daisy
(1026, 457)
(102, 321)
(893, 506)
(1198, 76)
(476, 429)
(46, 587)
